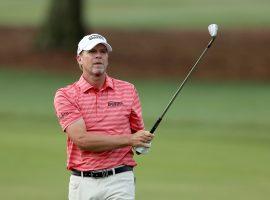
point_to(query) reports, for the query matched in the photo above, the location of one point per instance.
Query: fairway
(213, 144)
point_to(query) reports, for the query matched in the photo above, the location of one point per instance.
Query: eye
(91, 51)
(103, 51)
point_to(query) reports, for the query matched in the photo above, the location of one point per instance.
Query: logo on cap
(91, 37)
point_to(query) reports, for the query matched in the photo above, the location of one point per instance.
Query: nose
(98, 54)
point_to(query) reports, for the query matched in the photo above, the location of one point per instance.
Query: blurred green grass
(147, 14)
(214, 143)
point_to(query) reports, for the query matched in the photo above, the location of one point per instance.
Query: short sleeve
(66, 109)
(136, 119)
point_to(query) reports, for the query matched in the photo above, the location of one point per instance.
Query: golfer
(102, 119)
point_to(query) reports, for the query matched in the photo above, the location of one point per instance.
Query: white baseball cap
(90, 41)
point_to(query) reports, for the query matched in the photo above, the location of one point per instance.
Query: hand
(141, 139)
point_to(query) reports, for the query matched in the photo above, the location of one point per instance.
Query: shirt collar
(85, 86)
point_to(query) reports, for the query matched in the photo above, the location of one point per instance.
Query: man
(102, 119)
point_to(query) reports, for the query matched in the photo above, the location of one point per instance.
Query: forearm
(97, 142)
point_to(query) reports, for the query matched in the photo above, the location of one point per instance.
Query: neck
(96, 81)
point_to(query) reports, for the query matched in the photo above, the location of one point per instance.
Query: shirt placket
(96, 104)
(100, 105)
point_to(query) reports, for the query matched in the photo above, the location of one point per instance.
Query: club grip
(141, 150)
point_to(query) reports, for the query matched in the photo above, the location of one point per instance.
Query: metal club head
(213, 28)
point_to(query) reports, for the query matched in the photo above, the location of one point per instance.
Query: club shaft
(180, 87)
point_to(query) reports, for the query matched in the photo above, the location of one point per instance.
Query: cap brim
(93, 44)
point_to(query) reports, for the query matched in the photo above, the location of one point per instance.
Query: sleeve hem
(71, 122)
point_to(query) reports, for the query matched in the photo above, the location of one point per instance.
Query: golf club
(212, 28)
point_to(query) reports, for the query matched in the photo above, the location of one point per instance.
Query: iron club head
(213, 28)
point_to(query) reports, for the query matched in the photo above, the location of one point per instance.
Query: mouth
(98, 63)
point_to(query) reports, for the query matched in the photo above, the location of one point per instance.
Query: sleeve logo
(62, 115)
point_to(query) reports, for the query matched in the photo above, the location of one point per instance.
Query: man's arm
(97, 142)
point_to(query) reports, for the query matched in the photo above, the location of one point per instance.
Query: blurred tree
(63, 27)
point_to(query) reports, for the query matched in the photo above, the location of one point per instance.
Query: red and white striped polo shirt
(113, 110)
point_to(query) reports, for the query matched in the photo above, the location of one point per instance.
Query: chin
(98, 72)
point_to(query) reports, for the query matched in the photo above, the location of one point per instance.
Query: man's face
(95, 61)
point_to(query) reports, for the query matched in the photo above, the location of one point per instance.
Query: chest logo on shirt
(114, 104)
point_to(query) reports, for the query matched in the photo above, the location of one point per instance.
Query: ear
(79, 59)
